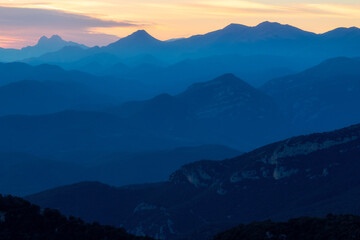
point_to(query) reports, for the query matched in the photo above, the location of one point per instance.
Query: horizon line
(176, 38)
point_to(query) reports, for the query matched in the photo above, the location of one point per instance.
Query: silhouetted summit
(52, 39)
(52, 44)
(343, 32)
(234, 27)
(139, 38)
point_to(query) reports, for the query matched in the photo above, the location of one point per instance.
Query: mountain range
(47, 88)
(43, 46)
(266, 38)
(310, 175)
(164, 137)
(280, 49)
(225, 110)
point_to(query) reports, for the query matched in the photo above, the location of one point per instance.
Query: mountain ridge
(321, 97)
(267, 38)
(44, 45)
(213, 109)
(307, 175)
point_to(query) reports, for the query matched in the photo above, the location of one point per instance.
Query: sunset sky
(95, 22)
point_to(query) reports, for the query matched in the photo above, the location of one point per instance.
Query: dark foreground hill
(309, 175)
(21, 220)
(305, 228)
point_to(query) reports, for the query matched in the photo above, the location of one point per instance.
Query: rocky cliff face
(269, 162)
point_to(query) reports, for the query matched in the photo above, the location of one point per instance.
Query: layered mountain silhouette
(23, 174)
(175, 78)
(35, 97)
(44, 45)
(45, 89)
(309, 175)
(141, 58)
(225, 110)
(137, 44)
(121, 114)
(266, 38)
(237, 33)
(321, 98)
(76, 131)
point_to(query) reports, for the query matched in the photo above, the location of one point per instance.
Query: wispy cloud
(30, 23)
(255, 8)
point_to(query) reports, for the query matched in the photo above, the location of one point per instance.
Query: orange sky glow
(95, 22)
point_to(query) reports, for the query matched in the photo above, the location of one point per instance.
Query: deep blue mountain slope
(225, 111)
(321, 98)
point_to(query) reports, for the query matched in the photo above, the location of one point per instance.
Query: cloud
(30, 17)
(31, 23)
(254, 8)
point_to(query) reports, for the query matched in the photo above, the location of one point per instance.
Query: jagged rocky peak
(52, 39)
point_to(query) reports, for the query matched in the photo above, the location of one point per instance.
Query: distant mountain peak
(55, 37)
(235, 27)
(140, 35)
(223, 79)
(269, 24)
(43, 38)
(227, 77)
(342, 31)
(141, 32)
(140, 38)
(272, 29)
(52, 39)
(225, 83)
(272, 26)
